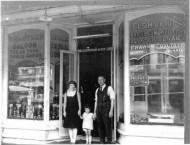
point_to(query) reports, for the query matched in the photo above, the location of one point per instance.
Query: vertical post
(1, 84)
(73, 47)
(47, 73)
(126, 74)
(5, 75)
(61, 93)
(187, 84)
(114, 78)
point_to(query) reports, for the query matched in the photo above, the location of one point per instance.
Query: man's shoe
(102, 142)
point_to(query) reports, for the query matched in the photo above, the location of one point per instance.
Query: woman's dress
(72, 119)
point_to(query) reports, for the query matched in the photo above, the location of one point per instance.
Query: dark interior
(93, 64)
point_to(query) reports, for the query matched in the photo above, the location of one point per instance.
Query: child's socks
(90, 139)
(87, 141)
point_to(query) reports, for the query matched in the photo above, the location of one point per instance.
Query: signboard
(59, 41)
(139, 80)
(26, 45)
(157, 33)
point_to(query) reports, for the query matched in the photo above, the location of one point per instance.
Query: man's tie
(100, 88)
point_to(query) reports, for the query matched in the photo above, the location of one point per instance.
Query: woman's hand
(110, 114)
(79, 112)
(64, 114)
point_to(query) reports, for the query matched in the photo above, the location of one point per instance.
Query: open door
(68, 72)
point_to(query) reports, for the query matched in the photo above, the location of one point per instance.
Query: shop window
(26, 74)
(59, 41)
(139, 98)
(157, 67)
(154, 86)
(139, 93)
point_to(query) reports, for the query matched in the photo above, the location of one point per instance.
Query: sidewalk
(80, 140)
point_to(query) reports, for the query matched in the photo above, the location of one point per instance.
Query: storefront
(141, 50)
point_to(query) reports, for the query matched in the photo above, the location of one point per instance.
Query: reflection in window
(154, 86)
(59, 41)
(26, 92)
(161, 99)
(154, 103)
(26, 74)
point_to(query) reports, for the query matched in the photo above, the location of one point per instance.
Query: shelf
(37, 100)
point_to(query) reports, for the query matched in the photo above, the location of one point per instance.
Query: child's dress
(87, 121)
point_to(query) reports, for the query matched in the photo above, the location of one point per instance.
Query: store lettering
(175, 50)
(173, 38)
(58, 46)
(142, 26)
(169, 45)
(160, 24)
(160, 32)
(59, 37)
(26, 37)
(25, 45)
(137, 52)
(95, 49)
(138, 80)
(137, 47)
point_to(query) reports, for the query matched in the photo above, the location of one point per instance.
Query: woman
(72, 110)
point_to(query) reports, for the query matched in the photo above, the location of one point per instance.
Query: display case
(26, 93)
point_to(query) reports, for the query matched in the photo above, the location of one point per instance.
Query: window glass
(26, 74)
(157, 66)
(59, 41)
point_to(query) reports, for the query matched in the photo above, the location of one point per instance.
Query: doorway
(92, 64)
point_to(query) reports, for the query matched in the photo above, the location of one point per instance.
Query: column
(187, 85)
(126, 74)
(46, 73)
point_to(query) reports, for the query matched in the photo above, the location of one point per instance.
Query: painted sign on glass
(26, 45)
(59, 41)
(157, 33)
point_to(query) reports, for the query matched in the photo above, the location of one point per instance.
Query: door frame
(112, 81)
(63, 131)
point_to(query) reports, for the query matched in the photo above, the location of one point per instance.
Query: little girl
(87, 125)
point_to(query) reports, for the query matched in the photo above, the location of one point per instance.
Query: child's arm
(93, 117)
(81, 117)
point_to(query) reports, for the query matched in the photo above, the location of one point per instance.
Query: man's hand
(64, 114)
(110, 114)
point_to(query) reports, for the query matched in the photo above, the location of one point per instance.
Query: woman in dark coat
(72, 110)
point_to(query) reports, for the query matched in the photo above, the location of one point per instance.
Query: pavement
(80, 140)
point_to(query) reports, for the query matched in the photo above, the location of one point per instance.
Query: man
(103, 109)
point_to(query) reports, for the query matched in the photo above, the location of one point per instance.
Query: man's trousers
(104, 122)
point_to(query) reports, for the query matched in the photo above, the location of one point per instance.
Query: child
(87, 125)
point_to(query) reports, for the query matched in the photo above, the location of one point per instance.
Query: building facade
(142, 49)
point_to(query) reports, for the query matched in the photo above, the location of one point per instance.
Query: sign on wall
(26, 45)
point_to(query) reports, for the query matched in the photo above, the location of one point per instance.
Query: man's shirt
(110, 92)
